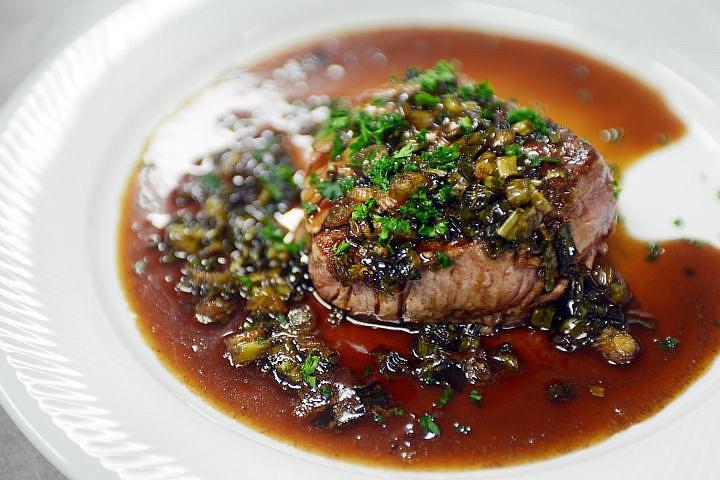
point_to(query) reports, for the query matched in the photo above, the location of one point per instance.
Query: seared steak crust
(480, 284)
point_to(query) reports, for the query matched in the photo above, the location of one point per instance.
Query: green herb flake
(378, 418)
(422, 136)
(398, 412)
(420, 208)
(482, 91)
(271, 232)
(342, 247)
(678, 222)
(443, 158)
(334, 190)
(667, 343)
(362, 210)
(244, 279)
(427, 99)
(372, 129)
(445, 193)
(432, 79)
(326, 391)
(446, 396)
(475, 396)
(429, 427)
(433, 231)
(467, 124)
(521, 114)
(536, 161)
(389, 225)
(308, 369)
(309, 208)
(654, 251)
(404, 152)
(513, 150)
(383, 169)
(444, 259)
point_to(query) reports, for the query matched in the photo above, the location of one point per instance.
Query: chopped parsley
(536, 161)
(332, 190)
(432, 231)
(442, 158)
(446, 396)
(654, 251)
(326, 391)
(390, 225)
(431, 80)
(309, 208)
(475, 396)
(420, 208)
(427, 99)
(378, 418)
(444, 259)
(308, 369)
(362, 210)
(445, 193)
(422, 138)
(667, 343)
(514, 149)
(528, 114)
(429, 427)
(482, 91)
(678, 222)
(271, 232)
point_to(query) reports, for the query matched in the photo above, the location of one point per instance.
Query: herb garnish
(362, 210)
(654, 251)
(667, 343)
(444, 259)
(446, 396)
(308, 369)
(429, 427)
(528, 114)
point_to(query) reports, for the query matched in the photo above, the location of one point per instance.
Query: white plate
(75, 374)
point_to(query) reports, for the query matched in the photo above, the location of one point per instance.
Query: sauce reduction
(513, 422)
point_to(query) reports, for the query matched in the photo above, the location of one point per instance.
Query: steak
(435, 201)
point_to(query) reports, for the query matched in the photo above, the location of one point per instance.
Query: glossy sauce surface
(514, 422)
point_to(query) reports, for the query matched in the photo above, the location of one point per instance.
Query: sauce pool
(513, 422)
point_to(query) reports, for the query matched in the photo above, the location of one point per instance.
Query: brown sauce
(514, 422)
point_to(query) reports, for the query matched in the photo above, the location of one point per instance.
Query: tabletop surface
(31, 32)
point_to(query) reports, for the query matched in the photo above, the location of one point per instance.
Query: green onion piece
(506, 166)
